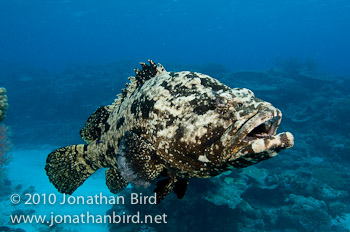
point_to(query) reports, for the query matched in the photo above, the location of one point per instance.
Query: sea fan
(3, 103)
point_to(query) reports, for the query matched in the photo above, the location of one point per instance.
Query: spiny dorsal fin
(147, 72)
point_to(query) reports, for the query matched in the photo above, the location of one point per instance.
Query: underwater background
(62, 59)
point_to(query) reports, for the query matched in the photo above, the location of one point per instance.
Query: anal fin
(164, 187)
(180, 188)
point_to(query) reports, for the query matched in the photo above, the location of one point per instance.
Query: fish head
(251, 135)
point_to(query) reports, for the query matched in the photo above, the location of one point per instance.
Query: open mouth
(264, 124)
(263, 130)
(257, 140)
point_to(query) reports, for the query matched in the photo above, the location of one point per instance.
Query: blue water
(238, 34)
(61, 60)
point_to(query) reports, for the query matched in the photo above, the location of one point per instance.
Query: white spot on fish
(203, 158)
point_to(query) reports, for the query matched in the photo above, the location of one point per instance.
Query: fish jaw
(257, 140)
(261, 149)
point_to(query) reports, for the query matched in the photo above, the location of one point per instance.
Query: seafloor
(302, 189)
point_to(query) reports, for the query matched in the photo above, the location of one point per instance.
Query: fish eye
(221, 101)
(240, 105)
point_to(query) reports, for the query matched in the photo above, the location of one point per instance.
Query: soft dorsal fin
(94, 125)
(147, 72)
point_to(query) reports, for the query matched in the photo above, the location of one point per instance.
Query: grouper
(167, 127)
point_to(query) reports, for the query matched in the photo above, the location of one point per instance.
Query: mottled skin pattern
(167, 127)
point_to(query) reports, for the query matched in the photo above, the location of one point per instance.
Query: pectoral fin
(137, 160)
(114, 181)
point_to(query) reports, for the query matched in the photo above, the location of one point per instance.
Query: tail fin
(68, 168)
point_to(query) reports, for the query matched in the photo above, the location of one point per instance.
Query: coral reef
(304, 189)
(4, 141)
(256, 199)
(4, 156)
(59, 95)
(293, 66)
(3, 103)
